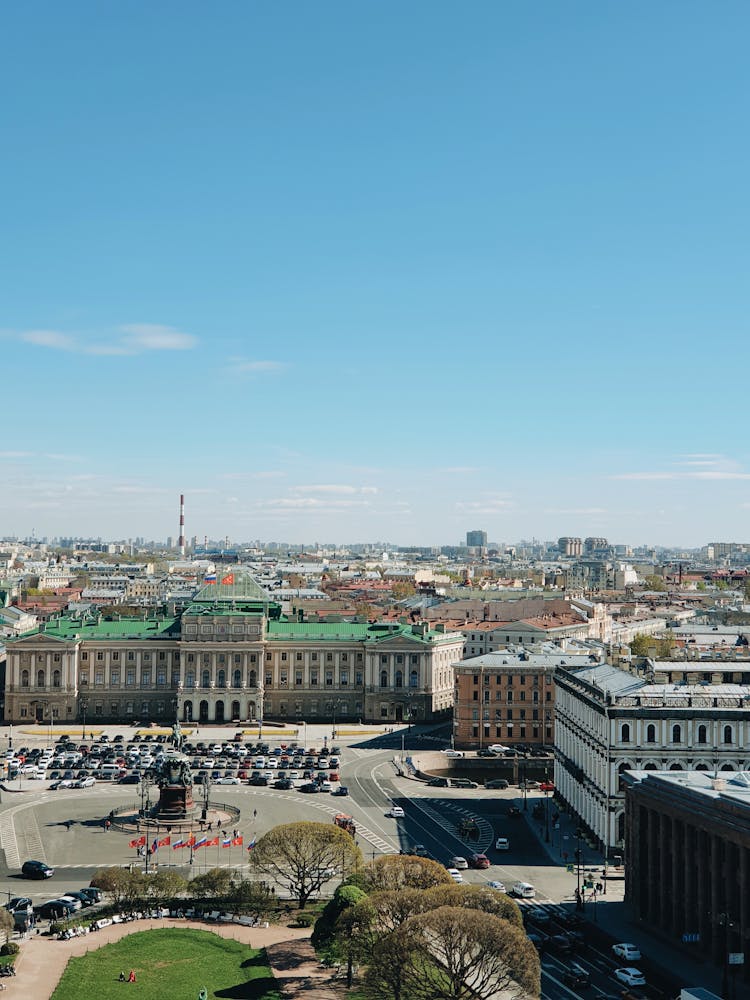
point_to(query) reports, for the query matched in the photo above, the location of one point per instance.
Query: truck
(345, 822)
(697, 993)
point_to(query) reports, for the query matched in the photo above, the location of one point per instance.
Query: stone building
(687, 847)
(231, 655)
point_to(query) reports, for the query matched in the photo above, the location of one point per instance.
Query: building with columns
(687, 845)
(231, 655)
(608, 721)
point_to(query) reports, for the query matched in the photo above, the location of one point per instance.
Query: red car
(547, 786)
(479, 861)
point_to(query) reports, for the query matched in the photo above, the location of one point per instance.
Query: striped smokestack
(182, 524)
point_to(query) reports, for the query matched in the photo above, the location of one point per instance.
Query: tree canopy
(404, 871)
(303, 856)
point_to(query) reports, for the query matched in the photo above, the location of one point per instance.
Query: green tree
(402, 871)
(392, 964)
(164, 885)
(215, 882)
(344, 897)
(641, 643)
(655, 582)
(248, 896)
(303, 856)
(125, 886)
(665, 647)
(474, 897)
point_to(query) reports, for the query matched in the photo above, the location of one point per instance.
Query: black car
(438, 782)
(576, 976)
(36, 869)
(284, 784)
(53, 909)
(341, 790)
(129, 779)
(258, 779)
(496, 783)
(310, 787)
(19, 904)
(94, 894)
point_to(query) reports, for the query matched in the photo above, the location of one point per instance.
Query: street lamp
(546, 808)
(83, 704)
(146, 785)
(523, 785)
(579, 897)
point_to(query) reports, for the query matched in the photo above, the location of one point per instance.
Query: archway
(203, 711)
(235, 710)
(399, 713)
(251, 710)
(219, 716)
(187, 711)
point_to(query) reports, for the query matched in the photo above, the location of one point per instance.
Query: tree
(251, 897)
(655, 582)
(474, 897)
(665, 646)
(401, 590)
(640, 644)
(401, 871)
(164, 885)
(392, 964)
(344, 897)
(124, 885)
(471, 956)
(214, 882)
(302, 856)
(7, 923)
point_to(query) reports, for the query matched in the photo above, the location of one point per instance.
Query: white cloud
(131, 338)
(155, 337)
(61, 457)
(705, 475)
(336, 488)
(16, 454)
(587, 511)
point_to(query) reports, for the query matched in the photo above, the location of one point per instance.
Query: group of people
(128, 979)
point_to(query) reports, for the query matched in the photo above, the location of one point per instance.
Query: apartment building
(230, 655)
(508, 697)
(608, 721)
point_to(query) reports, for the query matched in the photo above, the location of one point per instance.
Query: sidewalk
(610, 912)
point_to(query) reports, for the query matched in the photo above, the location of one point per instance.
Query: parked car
(53, 909)
(452, 753)
(19, 904)
(129, 779)
(496, 783)
(546, 786)
(494, 884)
(502, 844)
(458, 862)
(479, 861)
(226, 780)
(630, 976)
(455, 874)
(463, 783)
(341, 790)
(36, 869)
(627, 951)
(94, 894)
(311, 787)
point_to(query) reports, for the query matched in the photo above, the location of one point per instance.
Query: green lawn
(169, 965)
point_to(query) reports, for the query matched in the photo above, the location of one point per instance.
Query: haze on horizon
(354, 273)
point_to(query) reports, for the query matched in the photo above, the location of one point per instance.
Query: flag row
(190, 841)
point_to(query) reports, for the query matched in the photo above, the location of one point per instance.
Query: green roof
(69, 627)
(346, 632)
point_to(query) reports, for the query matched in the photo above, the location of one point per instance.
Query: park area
(170, 964)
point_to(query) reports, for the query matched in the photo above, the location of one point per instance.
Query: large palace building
(231, 655)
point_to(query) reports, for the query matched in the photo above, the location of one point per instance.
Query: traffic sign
(690, 938)
(736, 958)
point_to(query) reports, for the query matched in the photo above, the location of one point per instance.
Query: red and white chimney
(182, 525)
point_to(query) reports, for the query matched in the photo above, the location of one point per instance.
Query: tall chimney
(182, 525)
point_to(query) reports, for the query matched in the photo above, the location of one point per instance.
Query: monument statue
(177, 738)
(175, 780)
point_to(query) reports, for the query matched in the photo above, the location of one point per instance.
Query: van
(523, 890)
(108, 772)
(502, 844)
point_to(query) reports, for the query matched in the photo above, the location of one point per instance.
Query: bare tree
(303, 856)
(404, 871)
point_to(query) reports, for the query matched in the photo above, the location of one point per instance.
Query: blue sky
(356, 272)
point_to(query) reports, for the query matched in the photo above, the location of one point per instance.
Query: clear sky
(347, 271)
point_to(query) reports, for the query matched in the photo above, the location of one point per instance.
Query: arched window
(701, 767)
(727, 767)
(727, 734)
(237, 679)
(651, 734)
(253, 680)
(399, 679)
(40, 678)
(676, 734)
(205, 678)
(414, 679)
(384, 678)
(702, 734)
(235, 710)
(56, 678)
(675, 767)
(190, 682)
(650, 767)
(625, 733)
(222, 678)
(24, 678)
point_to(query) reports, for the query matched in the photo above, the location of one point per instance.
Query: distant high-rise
(570, 546)
(182, 525)
(476, 539)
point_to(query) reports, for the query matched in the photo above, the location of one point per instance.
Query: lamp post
(579, 897)
(546, 808)
(146, 785)
(523, 785)
(83, 704)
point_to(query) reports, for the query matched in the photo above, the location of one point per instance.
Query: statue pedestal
(175, 802)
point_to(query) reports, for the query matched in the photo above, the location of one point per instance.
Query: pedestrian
(210, 825)
(122, 977)
(131, 977)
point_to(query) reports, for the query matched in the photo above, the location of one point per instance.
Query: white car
(87, 782)
(631, 977)
(452, 753)
(494, 884)
(272, 763)
(396, 812)
(227, 781)
(523, 890)
(455, 874)
(502, 844)
(627, 951)
(458, 862)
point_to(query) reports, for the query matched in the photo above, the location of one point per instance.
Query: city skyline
(364, 274)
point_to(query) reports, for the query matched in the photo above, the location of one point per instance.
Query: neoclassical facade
(231, 655)
(608, 721)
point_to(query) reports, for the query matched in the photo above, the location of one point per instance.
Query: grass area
(170, 965)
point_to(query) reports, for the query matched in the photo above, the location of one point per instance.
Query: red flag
(165, 842)
(229, 578)
(212, 843)
(237, 842)
(133, 843)
(142, 841)
(190, 842)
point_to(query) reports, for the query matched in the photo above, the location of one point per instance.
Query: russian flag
(155, 846)
(178, 843)
(202, 842)
(251, 845)
(209, 578)
(227, 842)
